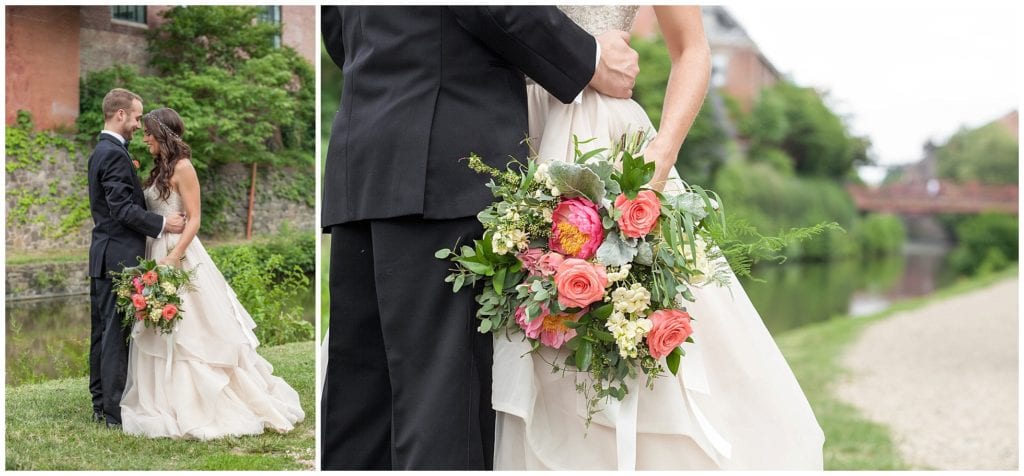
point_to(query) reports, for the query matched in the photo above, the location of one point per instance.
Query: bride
(735, 403)
(204, 380)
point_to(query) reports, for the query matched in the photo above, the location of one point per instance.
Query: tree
(241, 98)
(987, 154)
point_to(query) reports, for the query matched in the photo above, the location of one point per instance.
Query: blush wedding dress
(734, 404)
(205, 379)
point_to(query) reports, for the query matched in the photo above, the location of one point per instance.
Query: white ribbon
(170, 360)
(624, 413)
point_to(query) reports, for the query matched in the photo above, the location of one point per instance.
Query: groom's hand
(616, 71)
(174, 223)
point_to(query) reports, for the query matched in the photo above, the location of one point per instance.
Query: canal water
(49, 338)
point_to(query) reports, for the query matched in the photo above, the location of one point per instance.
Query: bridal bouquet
(583, 256)
(151, 293)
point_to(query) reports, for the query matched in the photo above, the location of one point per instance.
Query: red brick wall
(747, 75)
(42, 64)
(300, 30)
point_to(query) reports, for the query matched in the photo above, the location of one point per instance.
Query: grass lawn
(49, 428)
(851, 441)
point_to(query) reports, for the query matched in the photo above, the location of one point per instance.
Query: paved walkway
(944, 379)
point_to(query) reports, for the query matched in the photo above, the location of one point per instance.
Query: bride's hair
(166, 127)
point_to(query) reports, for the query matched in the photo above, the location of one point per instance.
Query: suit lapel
(139, 195)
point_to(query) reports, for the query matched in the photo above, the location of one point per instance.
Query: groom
(409, 378)
(118, 239)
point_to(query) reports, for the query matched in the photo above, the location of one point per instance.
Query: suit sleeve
(118, 189)
(541, 41)
(330, 27)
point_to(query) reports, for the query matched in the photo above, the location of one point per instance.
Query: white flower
(628, 334)
(633, 300)
(541, 175)
(548, 214)
(168, 288)
(555, 191)
(154, 315)
(619, 275)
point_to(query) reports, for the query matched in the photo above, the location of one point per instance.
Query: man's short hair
(116, 99)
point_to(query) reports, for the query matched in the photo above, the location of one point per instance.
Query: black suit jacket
(118, 210)
(424, 86)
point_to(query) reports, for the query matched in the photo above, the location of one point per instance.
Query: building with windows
(739, 69)
(49, 48)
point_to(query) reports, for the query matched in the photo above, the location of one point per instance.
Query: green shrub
(985, 243)
(267, 277)
(881, 234)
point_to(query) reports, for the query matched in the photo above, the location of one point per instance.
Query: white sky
(903, 71)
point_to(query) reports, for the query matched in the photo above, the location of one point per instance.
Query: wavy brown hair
(166, 127)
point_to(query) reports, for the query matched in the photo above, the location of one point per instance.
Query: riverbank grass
(49, 428)
(853, 442)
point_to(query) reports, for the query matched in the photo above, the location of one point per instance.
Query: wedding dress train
(204, 380)
(735, 403)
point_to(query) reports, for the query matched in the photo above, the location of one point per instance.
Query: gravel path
(944, 379)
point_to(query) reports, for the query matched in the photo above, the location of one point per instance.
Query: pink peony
(139, 301)
(137, 284)
(530, 259)
(531, 328)
(670, 328)
(638, 215)
(549, 328)
(149, 278)
(169, 311)
(549, 263)
(576, 229)
(580, 283)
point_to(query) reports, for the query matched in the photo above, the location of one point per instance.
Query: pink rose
(548, 263)
(580, 283)
(139, 301)
(149, 278)
(576, 228)
(170, 311)
(639, 215)
(530, 259)
(670, 328)
(137, 284)
(549, 328)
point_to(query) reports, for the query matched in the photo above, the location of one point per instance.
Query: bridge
(935, 197)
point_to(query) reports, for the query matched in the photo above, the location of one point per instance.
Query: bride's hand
(172, 259)
(664, 159)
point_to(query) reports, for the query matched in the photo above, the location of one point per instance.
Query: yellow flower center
(571, 238)
(556, 322)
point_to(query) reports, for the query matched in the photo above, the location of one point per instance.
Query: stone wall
(43, 280)
(62, 176)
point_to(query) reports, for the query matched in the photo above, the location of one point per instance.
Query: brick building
(50, 47)
(738, 67)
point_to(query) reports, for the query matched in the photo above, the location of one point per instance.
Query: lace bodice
(597, 19)
(163, 207)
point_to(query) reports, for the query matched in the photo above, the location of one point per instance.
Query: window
(134, 14)
(272, 14)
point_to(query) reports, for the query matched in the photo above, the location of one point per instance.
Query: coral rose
(670, 328)
(576, 228)
(580, 283)
(170, 311)
(149, 278)
(139, 301)
(638, 215)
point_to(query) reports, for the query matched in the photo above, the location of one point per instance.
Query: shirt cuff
(162, 225)
(597, 61)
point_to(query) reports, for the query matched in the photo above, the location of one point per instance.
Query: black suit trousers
(408, 382)
(108, 350)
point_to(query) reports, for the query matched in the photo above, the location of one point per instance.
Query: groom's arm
(541, 41)
(118, 189)
(330, 27)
